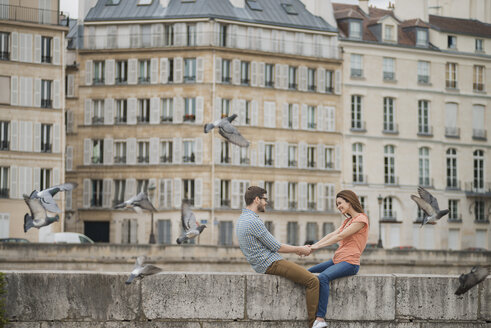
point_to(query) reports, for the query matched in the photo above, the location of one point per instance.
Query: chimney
(363, 4)
(238, 3)
(321, 8)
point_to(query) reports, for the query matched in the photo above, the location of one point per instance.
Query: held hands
(303, 251)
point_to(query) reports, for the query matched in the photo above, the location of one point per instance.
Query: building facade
(31, 109)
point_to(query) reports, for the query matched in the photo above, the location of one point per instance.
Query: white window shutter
(254, 112)
(260, 153)
(69, 158)
(88, 112)
(178, 69)
(302, 155)
(154, 150)
(131, 151)
(218, 70)
(108, 151)
(14, 135)
(217, 149)
(216, 193)
(320, 197)
(302, 196)
(132, 71)
(86, 193)
(200, 68)
(14, 90)
(109, 111)
(37, 137)
(284, 154)
(164, 70)
(253, 157)
(56, 138)
(154, 110)
(68, 200)
(321, 80)
(277, 195)
(177, 192)
(337, 157)
(254, 79)
(241, 108)
(235, 154)
(199, 150)
(330, 113)
(176, 149)
(15, 46)
(261, 67)
(88, 72)
(29, 138)
(56, 180)
(320, 117)
(13, 182)
(236, 71)
(154, 70)
(37, 48)
(200, 105)
(235, 194)
(295, 116)
(218, 109)
(337, 82)
(130, 188)
(37, 92)
(106, 193)
(302, 78)
(277, 76)
(87, 151)
(284, 77)
(198, 195)
(277, 155)
(303, 114)
(56, 51)
(69, 121)
(109, 68)
(320, 157)
(284, 117)
(178, 109)
(132, 102)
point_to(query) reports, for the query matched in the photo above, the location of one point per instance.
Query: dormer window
(421, 38)
(452, 42)
(144, 2)
(479, 46)
(355, 30)
(112, 2)
(389, 34)
(254, 5)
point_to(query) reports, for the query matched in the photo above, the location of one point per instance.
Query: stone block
(23, 325)
(364, 297)
(255, 324)
(56, 295)
(120, 324)
(454, 325)
(485, 299)
(192, 296)
(431, 297)
(378, 324)
(271, 297)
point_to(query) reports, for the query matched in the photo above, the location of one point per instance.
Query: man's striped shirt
(259, 247)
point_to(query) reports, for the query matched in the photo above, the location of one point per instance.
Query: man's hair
(253, 192)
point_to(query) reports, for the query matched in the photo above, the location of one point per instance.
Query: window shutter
(154, 110)
(108, 151)
(320, 157)
(320, 197)
(132, 71)
(106, 194)
(88, 72)
(235, 194)
(69, 121)
(37, 178)
(68, 200)
(56, 138)
(277, 76)
(200, 68)
(131, 151)
(216, 190)
(199, 150)
(154, 150)
(178, 109)
(157, 33)
(88, 112)
(164, 70)
(303, 120)
(130, 188)
(260, 74)
(284, 77)
(277, 159)
(302, 199)
(254, 81)
(178, 69)
(321, 80)
(337, 82)
(241, 109)
(198, 195)
(86, 194)
(109, 68)
(176, 149)
(295, 116)
(200, 104)
(37, 48)
(87, 151)
(132, 102)
(56, 50)
(284, 121)
(337, 157)
(236, 71)
(56, 94)
(218, 70)
(260, 153)
(330, 113)
(37, 137)
(14, 135)
(302, 155)
(37, 92)
(253, 157)
(254, 112)
(277, 196)
(15, 46)
(108, 111)
(302, 72)
(28, 136)
(235, 154)
(217, 149)
(69, 158)
(13, 182)
(56, 180)
(154, 70)
(218, 109)
(320, 117)
(177, 192)
(14, 90)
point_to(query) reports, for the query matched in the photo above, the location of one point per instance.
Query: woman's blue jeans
(328, 271)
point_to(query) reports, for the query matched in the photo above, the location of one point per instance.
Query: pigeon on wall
(46, 195)
(228, 131)
(142, 270)
(138, 203)
(38, 217)
(469, 280)
(190, 226)
(429, 205)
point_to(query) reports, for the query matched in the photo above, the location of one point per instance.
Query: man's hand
(303, 251)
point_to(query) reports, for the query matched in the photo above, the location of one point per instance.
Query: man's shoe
(319, 324)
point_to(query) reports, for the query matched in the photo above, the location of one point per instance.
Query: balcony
(226, 79)
(452, 184)
(292, 86)
(188, 159)
(426, 182)
(292, 205)
(225, 160)
(98, 81)
(391, 128)
(311, 87)
(311, 164)
(356, 72)
(389, 216)
(165, 159)
(189, 118)
(165, 119)
(425, 131)
(311, 125)
(46, 103)
(120, 120)
(4, 145)
(189, 79)
(478, 189)
(360, 179)
(452, 132)
(358, 126)
(119, 159)
(451, 84)
(268, 162)
(455, 218)
(245, 81)
(121, 80)
(478, 87)
(46, 147)
(142, 119)
(225, 202)
(96, 160)
(269, 84)
(97, 120)
(292, 163)
(31, 15)
(389, 76)
(423, 79)
(479, 134)
(245, 161)
(330, 165)
(4, 55)
(144, 80)
(143, 159)
(391, 181)
(311, 206)
(4, 193)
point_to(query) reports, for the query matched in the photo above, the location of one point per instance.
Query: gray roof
(272, 13)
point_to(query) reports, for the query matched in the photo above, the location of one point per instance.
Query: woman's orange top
(350, 248)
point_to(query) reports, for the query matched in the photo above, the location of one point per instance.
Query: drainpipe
(213, 90)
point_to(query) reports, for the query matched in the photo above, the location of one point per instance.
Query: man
(261, 249)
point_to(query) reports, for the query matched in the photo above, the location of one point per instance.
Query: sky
(71, 6)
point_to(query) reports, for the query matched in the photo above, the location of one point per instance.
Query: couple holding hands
(262, 250)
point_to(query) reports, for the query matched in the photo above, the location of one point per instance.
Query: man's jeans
(329, 271)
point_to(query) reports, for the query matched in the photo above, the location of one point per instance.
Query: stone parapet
(77, 299)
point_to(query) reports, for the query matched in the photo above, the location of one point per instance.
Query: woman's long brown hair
(351, 198)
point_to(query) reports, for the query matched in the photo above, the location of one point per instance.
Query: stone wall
(42, 299)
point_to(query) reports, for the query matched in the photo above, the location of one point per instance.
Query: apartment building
(31, 109)
(145, 76)
(416, 99)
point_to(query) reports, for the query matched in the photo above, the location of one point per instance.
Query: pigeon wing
(49, 203)
(62, 187)
(230, 132)
(423, 193)
(140, 260)
(38, 212)
(422, 204)
(188, 219)
(150, 269)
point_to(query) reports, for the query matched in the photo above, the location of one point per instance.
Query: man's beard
(261, 208)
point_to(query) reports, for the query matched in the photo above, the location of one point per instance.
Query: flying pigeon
(46, 195)
(141, 270)
(190, 226)
(38, 217)
(469, 280)
(429, 205)
(138, 203)
(228, 131)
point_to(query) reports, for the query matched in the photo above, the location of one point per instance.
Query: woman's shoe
(319, 324)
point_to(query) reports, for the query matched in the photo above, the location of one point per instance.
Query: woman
(352, 238)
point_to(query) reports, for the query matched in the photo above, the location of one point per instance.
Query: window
(311, 115)
(121, 72)
(166, 151)
(268, 154)
(97, 149)
(143, 152)
(99, 72)
(292, 195)
(144, 2)
(4, 135)
(424, 118)
(119, 189)
(478, 180)
(112, 2)
(479, 45)
(311, 156)
(119, 152)
(389, 165)
(355, 30)
(389, 213)
(189, 109)
(292, 156)
(451, 129)
(244, 156)
(292, 77)
(424, 167)
(268, 186)
(421, 38)
(479, 214)
(312, 233)
(478, 127)
(451, 42)
(358, 176)
(46, 49)
(289, 8)
(225, 153)
(141, 186)
(451, 75)
(144, 72)
(311, 79)
(223, 35)
(327, 228)
(169, 36)
(269, 75)
(356, 114)
(4, 46)
(46, 101)
(226, 71)
(356, 62)
(329, 198)
(244, 73)
(225, 193)
(44, 179)
(254, 5)
(98, 113)
(46, 138)
(191, 35)
(189, 150)
(226, 234)
(329, 158)
(452, 168)
(143, 111)
(292, 233)
(389, 70)
(188, 190)
(4, 182)
(453, 207)
(269, 226)
(389, 125)
(247, 114)
(423, 72)
(311, 197)
(121, 111)
(164, 232)
(190, 70)
(329, 81)
(478, 78)
(167, 109)
(129, 231)
(96, 194)
(389, 33)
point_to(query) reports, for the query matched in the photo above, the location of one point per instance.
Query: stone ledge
(42, 299)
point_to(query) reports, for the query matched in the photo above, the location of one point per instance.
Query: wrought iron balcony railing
(26, 14)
